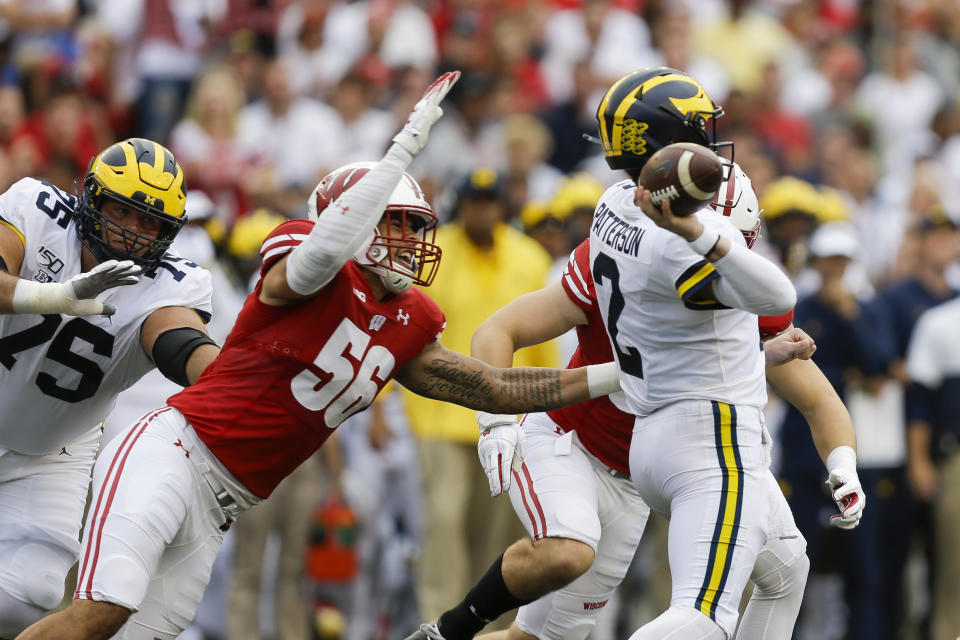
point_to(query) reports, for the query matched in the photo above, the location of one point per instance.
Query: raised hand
(76, 296)
(413, 136)
(84, 287)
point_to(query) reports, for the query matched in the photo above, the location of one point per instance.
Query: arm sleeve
(345, 225)
(750, 282)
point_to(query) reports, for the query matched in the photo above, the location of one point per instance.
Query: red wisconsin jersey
(287, 376)
(602, 428)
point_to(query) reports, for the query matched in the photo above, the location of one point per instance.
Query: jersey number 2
(606, 267)
(341, 392)
(91, 375)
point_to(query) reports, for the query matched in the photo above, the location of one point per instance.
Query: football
(686, 174)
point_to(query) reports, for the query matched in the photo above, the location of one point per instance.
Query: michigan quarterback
(680, 307)
(91, 298)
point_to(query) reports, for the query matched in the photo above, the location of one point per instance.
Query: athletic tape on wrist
(602, 379)
(843, 457)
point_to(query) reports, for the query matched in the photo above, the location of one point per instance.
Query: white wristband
(39, 297)
(602, 379)
(706, 241)
(843, 457)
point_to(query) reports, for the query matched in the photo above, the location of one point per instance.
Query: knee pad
(16, 615)
(561, 615)
(34, 571)
(680, 623)
(781, 568)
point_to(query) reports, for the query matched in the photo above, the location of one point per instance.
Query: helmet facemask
(402, 251)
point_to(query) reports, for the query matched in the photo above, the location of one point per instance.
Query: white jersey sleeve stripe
(277, 251)
(296, 238)
(575, 290)
(583, 281)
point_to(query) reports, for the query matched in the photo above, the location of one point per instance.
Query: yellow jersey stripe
(692, 281)
(23, 239)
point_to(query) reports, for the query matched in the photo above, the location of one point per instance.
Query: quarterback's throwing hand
(502, 448)
(413, 136)
(848, 494)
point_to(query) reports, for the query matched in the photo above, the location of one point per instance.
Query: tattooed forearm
(470, 383)
(531, 389)
(449, 379)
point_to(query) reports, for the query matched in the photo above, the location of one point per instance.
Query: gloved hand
(413, 136)
(502, 448)
(76, 296)
(845, 488)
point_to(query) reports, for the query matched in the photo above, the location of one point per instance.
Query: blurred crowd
(843, 112)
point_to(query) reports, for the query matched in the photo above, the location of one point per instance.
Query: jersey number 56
(346, 391)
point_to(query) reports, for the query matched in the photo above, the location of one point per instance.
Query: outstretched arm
(802, 384)
(442, 374)
(530, 319)
(75, 296)
(347, 223)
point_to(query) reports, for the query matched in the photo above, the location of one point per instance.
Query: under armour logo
(402, 317)
(361, 295)
(376, 322)
(179, 443)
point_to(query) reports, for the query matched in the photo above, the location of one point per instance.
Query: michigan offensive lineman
(91, 298)
(680, 298)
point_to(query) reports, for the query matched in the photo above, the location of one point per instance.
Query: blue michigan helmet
(650, 108)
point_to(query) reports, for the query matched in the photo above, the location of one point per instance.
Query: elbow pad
(172, 350)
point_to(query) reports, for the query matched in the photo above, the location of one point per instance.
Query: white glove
(845, 488)
(413, 136)
(75, 297)
(766, 441)
(502, 448)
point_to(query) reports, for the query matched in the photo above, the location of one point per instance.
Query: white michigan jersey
(60, 375)
(669, 346)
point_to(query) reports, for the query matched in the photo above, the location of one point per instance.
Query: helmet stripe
(169, 164)
(145, 153)
(603, 108)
